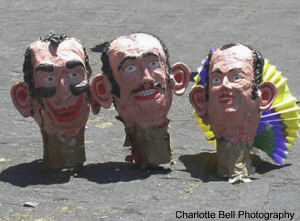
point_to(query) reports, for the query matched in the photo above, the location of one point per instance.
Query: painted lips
(147, 94)
(226, 99)
(66, 113)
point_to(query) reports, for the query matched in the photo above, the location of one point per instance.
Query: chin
(68, 133)
(230, 110)
(68, 128)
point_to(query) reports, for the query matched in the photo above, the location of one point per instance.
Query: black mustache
(142, 87)
(78, 89)
(44, 91)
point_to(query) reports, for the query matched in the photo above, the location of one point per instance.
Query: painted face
(138, 63)
(56, 72)
(232, 111)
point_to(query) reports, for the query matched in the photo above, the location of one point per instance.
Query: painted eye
(130, 68)
(216, 80)
(154, 64)
(237, 77)
(49, 79)
(74, 75)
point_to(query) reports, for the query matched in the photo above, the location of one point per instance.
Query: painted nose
(226, 84)
(147, 78)
(63, 91)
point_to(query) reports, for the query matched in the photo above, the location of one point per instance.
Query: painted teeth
(146, 93)
(64, 111)
(226, 98)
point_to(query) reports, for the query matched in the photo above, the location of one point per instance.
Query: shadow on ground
(32, 173)
(113, 172)
(204, 165)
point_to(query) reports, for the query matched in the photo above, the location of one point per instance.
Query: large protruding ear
(20, 95)
(95, 106)
(101, 91)
(268, 95)
(180, 75)
(198, 100)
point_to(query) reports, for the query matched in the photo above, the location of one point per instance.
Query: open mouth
(147, 94)
(226, 99)
(66, 113)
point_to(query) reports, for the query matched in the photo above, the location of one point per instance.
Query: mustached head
(142, 87)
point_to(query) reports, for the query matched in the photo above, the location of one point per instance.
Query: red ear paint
(101, 89)
(265, 95)
(201, 99)
(178, 78)
(22, 95)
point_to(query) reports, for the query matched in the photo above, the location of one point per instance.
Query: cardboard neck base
(64, 152)
(233, 159)
(150, 146)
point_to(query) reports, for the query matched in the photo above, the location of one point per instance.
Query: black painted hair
(106, 68)
(54, 39)
(258, 67)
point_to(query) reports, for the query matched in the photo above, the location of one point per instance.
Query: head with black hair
(230, 98)
(54, 40)
(138, 78)
(258, 65)
(56, 88)
(231, 93)
(106, 67)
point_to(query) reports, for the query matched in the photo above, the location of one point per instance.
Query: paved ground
(109, 188)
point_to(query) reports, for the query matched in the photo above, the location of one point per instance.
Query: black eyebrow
(45, 67)
(125, 59)
(237, 69)
(149, 53)
(74, 63)
(217, 70)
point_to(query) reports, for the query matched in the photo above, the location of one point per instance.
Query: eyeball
(74, 75)
(154, 64)
(216, 80)
(49, 79)
(237, 77)
(130, 68)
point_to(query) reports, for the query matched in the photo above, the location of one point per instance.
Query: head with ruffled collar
(230, 93)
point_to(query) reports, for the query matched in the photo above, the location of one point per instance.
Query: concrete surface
(108, 188)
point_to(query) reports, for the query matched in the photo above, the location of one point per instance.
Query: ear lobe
(21, 98)
(100, 90)
(268, 95)
(198, 100)
(180, 75)
(95, 106)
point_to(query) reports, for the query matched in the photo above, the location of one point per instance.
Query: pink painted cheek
(134, 76)
(246, 91)
(160, 75)
(128, 84)
(122, 108)
(213, 93)
(53, 101)
(43, 117)
(122, 104)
